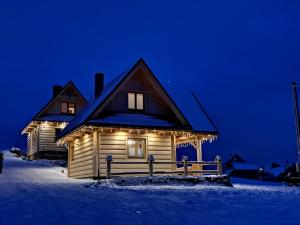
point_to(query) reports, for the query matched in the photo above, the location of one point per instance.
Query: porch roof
(55, 118)
(133, 120)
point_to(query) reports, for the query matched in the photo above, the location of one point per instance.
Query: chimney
(56, 90)
(99, 84)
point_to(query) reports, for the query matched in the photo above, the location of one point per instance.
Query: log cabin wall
(81, 157)
(115, 144)
(84, 156)
(41, 142)
(32, 143)
(47, 146)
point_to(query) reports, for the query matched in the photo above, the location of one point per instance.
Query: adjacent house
(45, 126)
(133, 116)
(236, 166)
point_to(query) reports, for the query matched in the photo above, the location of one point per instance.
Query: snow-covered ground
(39, 193)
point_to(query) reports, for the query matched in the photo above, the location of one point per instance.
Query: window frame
(68, 108)
(136, 155)
(134, 96)
(135, 101)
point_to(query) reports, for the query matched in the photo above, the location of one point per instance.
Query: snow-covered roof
(277, 171)
(189, 107)
(69, 84)
(40, 116)
(55, 118)
(244, 166)
(83, 115)
(136, 119)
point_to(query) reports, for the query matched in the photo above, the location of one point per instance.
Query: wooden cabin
(236, 166)
(45, 126)
(132, 117)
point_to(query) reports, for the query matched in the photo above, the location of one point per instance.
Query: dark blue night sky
(240, 56)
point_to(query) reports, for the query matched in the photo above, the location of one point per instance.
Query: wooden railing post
(219, 164)
(108, 166)
(150, 161)
(185, 165)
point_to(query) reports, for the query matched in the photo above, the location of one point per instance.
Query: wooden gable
(156, 100)
(69, 94)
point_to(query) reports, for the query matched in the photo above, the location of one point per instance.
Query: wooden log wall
(115, 144)
(82, 165)
(47, 138)
(32, 142)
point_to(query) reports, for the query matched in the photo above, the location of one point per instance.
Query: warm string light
(210, 139)
(184, 145)
(185, 136)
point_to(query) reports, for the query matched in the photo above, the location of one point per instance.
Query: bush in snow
(16, 151)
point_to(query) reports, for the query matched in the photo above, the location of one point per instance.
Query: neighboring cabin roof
(55, 118)
(244, 166)
(277, 171)
(52, 100)
(235, 158)
(82, 116)
(194, 114)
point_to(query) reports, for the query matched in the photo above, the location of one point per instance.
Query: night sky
(240, 56)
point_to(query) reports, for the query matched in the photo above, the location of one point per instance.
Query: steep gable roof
(52, 100)
(40, 116)
(191, 107)
(86, 114)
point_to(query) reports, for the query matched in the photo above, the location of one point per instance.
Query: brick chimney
(56, 90)
(99, 84)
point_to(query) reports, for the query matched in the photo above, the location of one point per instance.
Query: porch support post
(199, 151)
(173, 151)
(199, 154)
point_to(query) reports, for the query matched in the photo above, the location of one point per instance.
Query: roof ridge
(204, 111)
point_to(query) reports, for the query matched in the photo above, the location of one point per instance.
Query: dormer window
(67, 108)
(135, 101)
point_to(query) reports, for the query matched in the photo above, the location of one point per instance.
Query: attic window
(67, 108)
(135, 101)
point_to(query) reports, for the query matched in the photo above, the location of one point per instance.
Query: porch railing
(151, 162)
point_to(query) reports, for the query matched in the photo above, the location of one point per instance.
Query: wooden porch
(189, 167)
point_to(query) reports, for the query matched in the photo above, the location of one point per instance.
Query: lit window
(135, 101)
(136, 147)
(64, 107)
(131, 100)
(139, 101)
(67, 108)
(71, 108)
